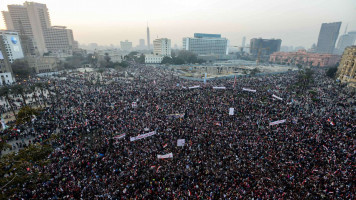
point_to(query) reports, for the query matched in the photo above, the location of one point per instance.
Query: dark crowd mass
(310, 155)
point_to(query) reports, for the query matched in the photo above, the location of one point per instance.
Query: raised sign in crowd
(161, 137)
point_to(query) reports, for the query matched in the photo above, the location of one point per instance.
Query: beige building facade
(43, 64)
(347, 69)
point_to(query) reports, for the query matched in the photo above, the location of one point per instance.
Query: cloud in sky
(296, 22)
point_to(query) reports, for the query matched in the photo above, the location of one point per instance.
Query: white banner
(3, 124)
(277, 97)
(219, 88)
(248, 90)
(193, 87)
(231, 111)
(139, 137)
(168, 155)
(277, 122)
(180, 142)
(119, 136)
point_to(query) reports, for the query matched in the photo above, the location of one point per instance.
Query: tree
(141, 59)
(187, 56)
(178, 61)
(41, 86)
(25, 114)
(75, 61)
(331, 72)
(101, 71)
(5, 92)
(304, 78)
(19, 90)
(124, 64)
(92, 59)
(255, 71)
(33, 89)
(21, 68)
(3, 144)
(107, 57)
(167, 60)
(21, 168)
(46, 85)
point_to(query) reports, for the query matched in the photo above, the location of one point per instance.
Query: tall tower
(148, 37)
(243, 42)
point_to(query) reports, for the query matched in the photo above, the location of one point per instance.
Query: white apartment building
(162, 47)
(11, 45)
(6, 78)
(33, 20)
(153, 59)
(126, 45)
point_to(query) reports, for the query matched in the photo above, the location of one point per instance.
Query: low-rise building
(43, 64)
(6, 78)
(304, 58)
(347, 68)
(153, 59)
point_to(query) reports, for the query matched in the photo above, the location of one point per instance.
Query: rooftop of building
(206, 35)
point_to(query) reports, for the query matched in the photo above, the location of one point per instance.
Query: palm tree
(46, 85)
(19, 90)
(41, 86)
(33, 89)
(5, 92)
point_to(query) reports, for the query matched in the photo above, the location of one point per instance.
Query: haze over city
(296, 22)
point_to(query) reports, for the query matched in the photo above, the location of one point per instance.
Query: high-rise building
(148, 38)
(126, 45)
(329, 32)
(347, 68)
(206, 44)
(345, 40)
(33, 20)
(243, 42)
(162, 47)
(141, 44)
(59, 39)
(264, 47)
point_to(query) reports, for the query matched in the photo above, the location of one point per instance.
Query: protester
(240, 156)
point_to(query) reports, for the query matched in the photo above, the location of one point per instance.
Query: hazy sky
(296, 22)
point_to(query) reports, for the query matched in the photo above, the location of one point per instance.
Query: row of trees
(8, 93)
(182, 57)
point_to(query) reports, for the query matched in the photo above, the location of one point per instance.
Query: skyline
(296, 23)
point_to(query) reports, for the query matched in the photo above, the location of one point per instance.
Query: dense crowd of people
(241, 156)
